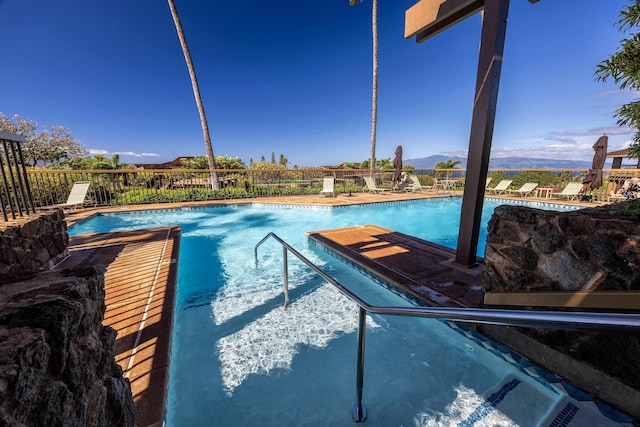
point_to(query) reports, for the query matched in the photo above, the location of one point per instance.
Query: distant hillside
(505, 162)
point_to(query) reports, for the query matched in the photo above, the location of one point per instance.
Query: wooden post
(494, 28)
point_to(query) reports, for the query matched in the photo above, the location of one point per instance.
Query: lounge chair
(328, 184)
(571, 191)
(370, 186)
(501, 187)
(488, 181)
(77, 197)
(525, 190)
(415, 185)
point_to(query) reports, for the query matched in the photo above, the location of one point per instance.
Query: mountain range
(502, 163)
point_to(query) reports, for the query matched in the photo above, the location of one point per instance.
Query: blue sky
(294, 78)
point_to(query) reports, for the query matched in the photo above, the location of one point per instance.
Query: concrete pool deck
(141, 272)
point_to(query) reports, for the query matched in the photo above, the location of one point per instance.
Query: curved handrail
(553, 319)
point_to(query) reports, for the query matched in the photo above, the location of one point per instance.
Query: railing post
(359, 410)
(286, 277)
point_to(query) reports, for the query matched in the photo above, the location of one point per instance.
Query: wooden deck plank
(140, 280)
(421, 268)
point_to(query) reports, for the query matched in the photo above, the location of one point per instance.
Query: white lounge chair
(488, 181)
(525, 190)
(370, 186)
(571, 191)
(77, 196)
(501, 187)
(328, 184)
(415, 185)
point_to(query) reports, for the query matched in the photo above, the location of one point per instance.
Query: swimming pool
(238, 358)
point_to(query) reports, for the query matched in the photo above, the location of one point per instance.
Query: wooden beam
(494, 28)
(429, 17)
(629, 300)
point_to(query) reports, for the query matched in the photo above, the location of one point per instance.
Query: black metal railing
(139, 186)
(15, 191)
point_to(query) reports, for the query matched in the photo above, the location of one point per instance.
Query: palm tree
(624, 68)
(196, 94)
(449, 164)
(374, 102)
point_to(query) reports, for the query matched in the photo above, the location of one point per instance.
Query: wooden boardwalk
(421, 268)
(140, 278)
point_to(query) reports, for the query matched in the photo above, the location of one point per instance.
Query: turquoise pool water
(240, 359)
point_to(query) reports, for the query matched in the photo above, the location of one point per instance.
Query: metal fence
(15, 192)
(126, 187)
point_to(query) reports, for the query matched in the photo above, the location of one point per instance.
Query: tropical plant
(374, 100)
(385, 164)
(624, 68)
(222, 162)
(100, 161)
(449, 164)
(196, 94)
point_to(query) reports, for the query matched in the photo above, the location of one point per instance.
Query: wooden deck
(140, 278)
(422, 269)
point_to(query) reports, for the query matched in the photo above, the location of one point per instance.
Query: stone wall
(32, 243)
(594, 248)
(532, 249)
(57, 364)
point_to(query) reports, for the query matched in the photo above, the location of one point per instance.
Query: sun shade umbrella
(397, 164)
(594, 176)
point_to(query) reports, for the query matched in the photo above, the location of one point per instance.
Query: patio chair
(77, 197)
(501, 187)
(571, 191)
(525, 190)
(370, 186)
(415, 185)
(486, 185)
(328, 184)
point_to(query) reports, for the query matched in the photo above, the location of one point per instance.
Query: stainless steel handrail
(549, 319)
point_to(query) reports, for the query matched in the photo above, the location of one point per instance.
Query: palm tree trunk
(374, 102)
(196, 93)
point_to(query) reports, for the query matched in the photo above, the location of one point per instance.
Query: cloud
(593, 132)
(131, 153)
(538, 150)
(561, 138)
(121, 153)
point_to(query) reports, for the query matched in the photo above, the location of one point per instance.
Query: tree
(273, 158)
(223, 162)
(196, 94)
(374, 101)
(102, 162)
(449, 164)
(47, 147)
(385, 163)
(624, 68)
(196, 162)
(283, 160)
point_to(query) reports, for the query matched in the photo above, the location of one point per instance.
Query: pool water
(240, 359)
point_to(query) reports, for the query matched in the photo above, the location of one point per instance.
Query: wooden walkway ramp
(421, 268)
